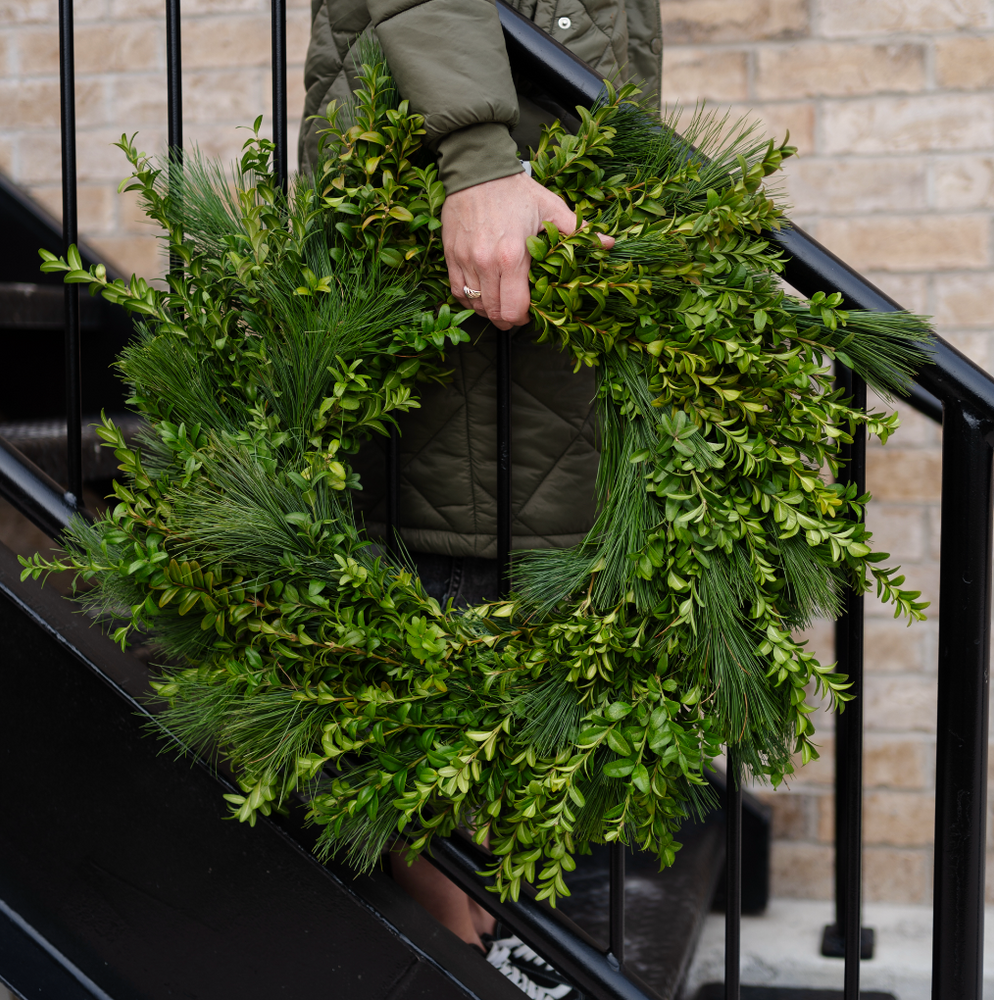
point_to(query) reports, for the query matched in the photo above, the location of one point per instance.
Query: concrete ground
(781, 948)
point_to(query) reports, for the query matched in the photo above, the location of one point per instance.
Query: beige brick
(916, 429)
(691, 75)
(38, 52)
(821, 771)
(897, 530)
(897, 474)
(111, 48)
(909, 243)
(790, 814)
(295, 93)
(909, 290)
(825, 819)
(964, 63)
(298, 35)
(851, 18)
(139, 10)
(221, 42)
(30, 105)
(131, 9)
(221, 142)
(139, 100)
(964, 182)
(191, 7)
(15, 12)
(833, 187)
(141, 255)
(897, 763)
(26, 11)
(293, 135)
(908, 124)
(228, 96)
(975, 345)
(35, 104)
(100, 160)
(6, 55)
(7, 155)
(899, 704)
(934, 533)
(699, 21)
(96, 205)
(801, 871)
(890, 647)
(965, 299)
(837, 70)
(898, 819)
(131, 218)
(89, 10)
(39, 158)
(896, 875)
(777, 119)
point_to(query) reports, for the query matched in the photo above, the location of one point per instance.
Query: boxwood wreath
(586, 706)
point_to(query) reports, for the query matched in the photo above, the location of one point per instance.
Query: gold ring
(471, 293)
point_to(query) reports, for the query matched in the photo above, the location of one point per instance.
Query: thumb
(561, 216)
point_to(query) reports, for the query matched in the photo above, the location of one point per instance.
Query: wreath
(587, 705)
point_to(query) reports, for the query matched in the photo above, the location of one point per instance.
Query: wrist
(477, 154)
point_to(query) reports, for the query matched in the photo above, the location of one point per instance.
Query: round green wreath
(586, 706)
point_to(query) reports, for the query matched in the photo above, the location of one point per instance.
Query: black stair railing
(952, 389)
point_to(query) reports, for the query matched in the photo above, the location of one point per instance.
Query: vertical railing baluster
(854, 735)
(849, 735)
(279, 93)
(962, 709)
(504, 460)
(174, 101)
(174, 80)
(616, 903)
(733, 874)
(834, 943)
(70, 237)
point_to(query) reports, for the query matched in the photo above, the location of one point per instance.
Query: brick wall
(890, 103)
(121, 87)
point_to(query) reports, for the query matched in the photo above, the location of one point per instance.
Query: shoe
(527, 970)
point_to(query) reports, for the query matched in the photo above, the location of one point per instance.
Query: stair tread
(664, 911)
(27, 306)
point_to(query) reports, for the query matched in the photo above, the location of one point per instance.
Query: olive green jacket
(449, 60)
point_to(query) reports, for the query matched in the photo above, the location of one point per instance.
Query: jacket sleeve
(449, 60)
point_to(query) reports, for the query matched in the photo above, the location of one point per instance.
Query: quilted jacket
(449, 60)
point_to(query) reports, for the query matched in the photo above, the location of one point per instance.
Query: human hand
(484, 229)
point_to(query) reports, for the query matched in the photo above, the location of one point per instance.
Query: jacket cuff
(476, 154)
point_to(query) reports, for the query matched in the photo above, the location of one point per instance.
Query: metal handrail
(35, 494)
